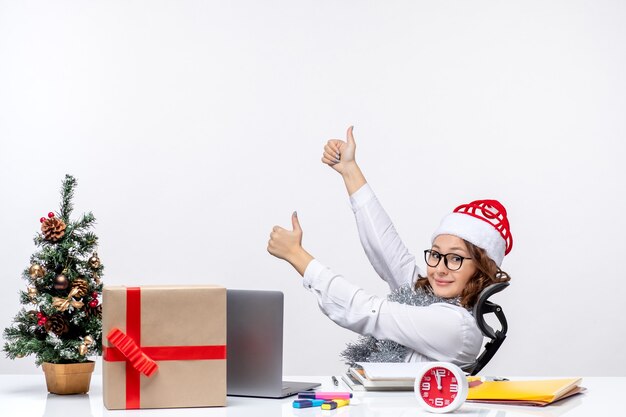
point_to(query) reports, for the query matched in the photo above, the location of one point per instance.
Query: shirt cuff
(361, 196)
(312, 271)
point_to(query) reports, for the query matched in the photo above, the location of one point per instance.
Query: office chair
(482, 308)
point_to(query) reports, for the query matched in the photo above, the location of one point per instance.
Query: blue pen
(307, 403)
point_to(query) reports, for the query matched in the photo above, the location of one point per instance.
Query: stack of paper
(378, 376)
(530, 392)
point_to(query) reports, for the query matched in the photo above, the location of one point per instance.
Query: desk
(26, 396)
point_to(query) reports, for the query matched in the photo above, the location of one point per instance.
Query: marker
(335, 382)
(325, 395)
(307, 403)
(331, 405)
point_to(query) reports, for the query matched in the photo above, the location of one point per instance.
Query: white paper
(391, 370)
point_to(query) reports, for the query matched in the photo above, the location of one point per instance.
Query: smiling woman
(426, 317)
(472, 241)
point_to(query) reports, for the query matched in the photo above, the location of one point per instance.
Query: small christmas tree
(64, 322)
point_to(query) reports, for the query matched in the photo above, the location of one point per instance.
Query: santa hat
(483, 223)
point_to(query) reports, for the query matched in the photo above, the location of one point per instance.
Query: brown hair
(487, 273)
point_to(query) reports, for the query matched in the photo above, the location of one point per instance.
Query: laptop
(254, 346)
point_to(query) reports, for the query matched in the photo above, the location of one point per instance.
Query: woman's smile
(443, 283)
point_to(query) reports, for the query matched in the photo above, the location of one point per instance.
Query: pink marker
(332, 395)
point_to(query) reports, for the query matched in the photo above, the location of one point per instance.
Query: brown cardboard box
(183, 329)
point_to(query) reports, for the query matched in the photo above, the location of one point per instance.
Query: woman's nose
(441, 268)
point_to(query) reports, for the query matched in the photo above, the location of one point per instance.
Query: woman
(430, 318)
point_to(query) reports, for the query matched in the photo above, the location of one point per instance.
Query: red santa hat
(483, 223)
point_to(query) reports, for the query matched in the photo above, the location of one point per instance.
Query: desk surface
(26, 395)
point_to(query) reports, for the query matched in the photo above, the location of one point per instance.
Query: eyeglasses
(452, 261)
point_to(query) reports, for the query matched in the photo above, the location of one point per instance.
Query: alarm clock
(440, 387)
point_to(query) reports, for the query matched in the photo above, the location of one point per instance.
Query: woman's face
(444, 282)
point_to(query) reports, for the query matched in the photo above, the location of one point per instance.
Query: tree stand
(68, 378)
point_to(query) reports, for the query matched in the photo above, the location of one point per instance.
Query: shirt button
(373, 311)
(309, 285)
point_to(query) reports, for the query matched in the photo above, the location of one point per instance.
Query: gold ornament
(19, 356)
(82, 350)
(61, 282)
(53, 229)
(96, 278)
(32, 294)
(94, 261)
(88, 340)
(82, 287)
(36, 271)
(63, 304)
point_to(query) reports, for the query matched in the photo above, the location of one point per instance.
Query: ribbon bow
(63, 304)
(135, 356)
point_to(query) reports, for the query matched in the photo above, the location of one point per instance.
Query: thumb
(295, 222)
(349, 136)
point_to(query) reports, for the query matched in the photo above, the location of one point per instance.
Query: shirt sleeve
(440, 331)
(380, 240)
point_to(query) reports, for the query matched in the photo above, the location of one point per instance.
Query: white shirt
(441, 331)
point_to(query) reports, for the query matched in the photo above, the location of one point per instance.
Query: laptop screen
(254, 342)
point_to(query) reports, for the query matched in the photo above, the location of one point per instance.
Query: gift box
(164, 346)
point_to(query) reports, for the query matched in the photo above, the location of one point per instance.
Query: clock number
(440, 372)
(438, 402)
(454, 388)
(426, 386)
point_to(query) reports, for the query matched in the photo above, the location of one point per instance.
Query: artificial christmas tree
(63, 324)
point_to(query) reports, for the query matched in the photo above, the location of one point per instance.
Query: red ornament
(94, 295)
(42, 321)
(93, 303)
(43, 219)
(39, 314)
(51, 214)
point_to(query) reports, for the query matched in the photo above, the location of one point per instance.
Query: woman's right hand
(339, 154)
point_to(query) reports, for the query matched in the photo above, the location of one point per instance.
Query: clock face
(439, 387)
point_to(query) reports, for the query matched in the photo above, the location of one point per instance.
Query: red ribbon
(141, 359)
(132, 352)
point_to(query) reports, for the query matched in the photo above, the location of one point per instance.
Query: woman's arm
(382, 244)
(439, 331)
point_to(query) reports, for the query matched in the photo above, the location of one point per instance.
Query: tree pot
(68, 378)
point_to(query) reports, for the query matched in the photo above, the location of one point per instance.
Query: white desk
(26, 395)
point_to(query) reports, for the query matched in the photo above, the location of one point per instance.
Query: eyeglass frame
(444, 256)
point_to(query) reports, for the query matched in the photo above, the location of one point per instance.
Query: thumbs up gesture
(283, 243)
(339, 154)
(287, 244)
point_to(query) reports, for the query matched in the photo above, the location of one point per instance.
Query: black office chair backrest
(481, 309)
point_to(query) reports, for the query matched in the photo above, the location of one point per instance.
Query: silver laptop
(255, 346)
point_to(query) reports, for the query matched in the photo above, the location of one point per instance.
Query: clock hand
(438, 377)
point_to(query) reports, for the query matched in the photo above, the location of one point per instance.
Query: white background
(193, 127)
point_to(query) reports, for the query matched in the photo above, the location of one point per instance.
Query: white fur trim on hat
(476, 231)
